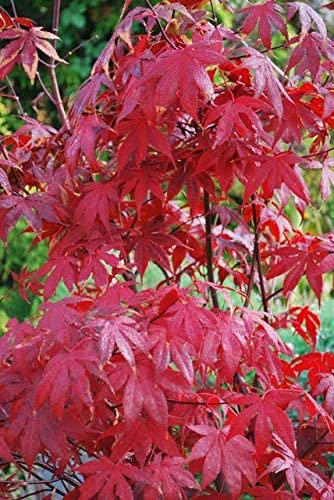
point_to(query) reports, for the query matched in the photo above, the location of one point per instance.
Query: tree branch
(54, 82)
(208, 248)
(164, 34)
(16, 97)
(13, 7)
(258, 259)
(250, 280)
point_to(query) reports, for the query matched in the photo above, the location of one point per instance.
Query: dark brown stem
(54, 82)
(258, 259)
(164, 34)
(29, 495)
(73, 481)
(208, 248)
(214, 15)
(318, 154)
(272, 295)
(39, 478)
(250, 280)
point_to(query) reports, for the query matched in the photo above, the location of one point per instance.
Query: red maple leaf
(109, 480)
(23, 49)
(327, 176)
(232, 456)
(270, 172)
(268, 417)
(168, 475)
(265, 78)
(136, 144)
(304, 255)
(179, 76)
(117, 331)
(265, 15)
(139, 437)
(308, 54)
(297, 474)
(238, 116)
(308, 17)
(56, 383)
(97, 203)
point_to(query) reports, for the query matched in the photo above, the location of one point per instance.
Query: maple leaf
(96, 203)
(180, 76)
(120, 331)
(327, 176)
(303, 255)
(146, 390)
(307, 17)
(108, 480)
(230, 333)
(307, 55)
(314, 363)
(36, 431)
(168, 475)
(140, 436)
(23, 50)
(187, 316)
(264, 15)
(88, 131)
(238, 115)
(265, 79)
(269, 417)
(17, 207)
(300, 315)
(270, 172)
(56, 383)
(95, 264)
(233, 457)
(137, 144)
(58, 268)
(152, 245)
(296, 473)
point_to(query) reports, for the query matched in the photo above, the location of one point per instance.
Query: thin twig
(258, 259)
(164, 34)
(250, 280)
(214, 15)
(319, 154)
(54, 82)
(37, 476)
(71, 52)
(272, 295)
(208, 248)
(16, 97)
(45, 90)
(12, 2)
(39, 491)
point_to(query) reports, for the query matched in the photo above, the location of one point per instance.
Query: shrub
(180, 152)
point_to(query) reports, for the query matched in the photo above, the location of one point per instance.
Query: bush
(182, 152)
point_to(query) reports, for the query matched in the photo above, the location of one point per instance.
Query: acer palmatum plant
(180, 153)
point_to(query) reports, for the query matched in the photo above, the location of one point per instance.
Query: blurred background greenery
(85, 26)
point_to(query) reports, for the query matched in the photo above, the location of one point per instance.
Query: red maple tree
(180, 152)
